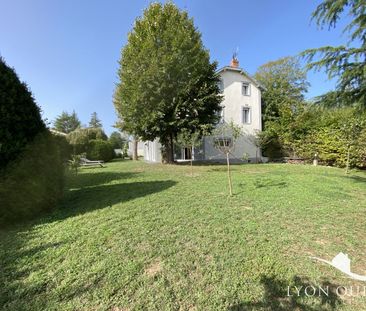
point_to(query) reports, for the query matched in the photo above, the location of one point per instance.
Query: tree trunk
(348, 158)
(168, 155)
(229, 174)
(134, 150)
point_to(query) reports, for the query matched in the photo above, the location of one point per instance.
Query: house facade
(241, 105)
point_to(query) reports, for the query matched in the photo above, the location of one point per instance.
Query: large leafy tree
(66, 122)
(95, 121)
(117, 140)
(284, 85)
(20, 117)
(167, 82)
(347, 63)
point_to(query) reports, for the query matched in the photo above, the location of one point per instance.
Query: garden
(136, 236)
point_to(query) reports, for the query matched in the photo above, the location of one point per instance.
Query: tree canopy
(66, 123)
(284, 85)
(347, 63)
(95, 121)
(116, 140)
(167, 82)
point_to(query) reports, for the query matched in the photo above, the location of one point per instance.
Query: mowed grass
(137, 236)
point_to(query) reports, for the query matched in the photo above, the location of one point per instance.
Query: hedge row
(34, 181)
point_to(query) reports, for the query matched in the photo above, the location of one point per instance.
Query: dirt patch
(154, 268)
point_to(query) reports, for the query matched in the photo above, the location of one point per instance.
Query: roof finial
(234, 61)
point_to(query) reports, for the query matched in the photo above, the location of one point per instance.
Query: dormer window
(246, 88)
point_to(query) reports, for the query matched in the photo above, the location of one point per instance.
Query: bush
(100, 150)
(331, 133)
(64, 147)
(34, 182)
(80, 139)
(20, 118)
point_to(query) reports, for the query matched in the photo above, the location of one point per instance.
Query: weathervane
(235, 53)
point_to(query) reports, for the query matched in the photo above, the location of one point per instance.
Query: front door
(187, 153)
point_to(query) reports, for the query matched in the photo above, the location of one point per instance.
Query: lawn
(137, 236)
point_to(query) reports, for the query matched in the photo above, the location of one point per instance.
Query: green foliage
(80, 138)
(64, 147)
(284, 84)
(227, 135)
(74, 162)
(20, 118)
(347, 62)
(33, 182)
(116, 140)
(94, 121)
(332, 133)
(100, 150)
(167, 82)
(192, 139)
(66, 122)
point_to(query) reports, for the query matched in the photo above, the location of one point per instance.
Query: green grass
(135, 236)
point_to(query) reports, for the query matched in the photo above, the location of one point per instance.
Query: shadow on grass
(88, 199)
(281, 295)
(92, 178)
(266, 183)
(18, 262)
(358, 179)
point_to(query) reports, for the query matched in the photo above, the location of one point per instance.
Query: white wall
(234, 100)
(152, 151)
(233, 104)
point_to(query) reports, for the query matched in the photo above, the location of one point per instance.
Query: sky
(67, 51)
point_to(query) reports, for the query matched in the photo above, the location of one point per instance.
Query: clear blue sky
(67, 50)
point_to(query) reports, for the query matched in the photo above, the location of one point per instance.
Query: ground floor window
(222, 142)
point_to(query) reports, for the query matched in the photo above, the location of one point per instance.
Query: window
(223, 142)
(246, 88)
(246, 117)
(221, 86)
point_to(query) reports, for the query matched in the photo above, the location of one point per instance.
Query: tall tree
(66, 122)
(167, 82)
(94, 121)
(284, 85)
(117, 140)
(347, 63)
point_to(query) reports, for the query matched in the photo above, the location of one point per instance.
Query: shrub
(20, 118)
(34, 182)
(331, 133)
(64, 147)
(100, 150)
(80, 138)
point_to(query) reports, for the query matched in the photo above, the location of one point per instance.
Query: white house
(241, 104)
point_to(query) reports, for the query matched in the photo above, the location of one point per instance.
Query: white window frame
(247, 84)
(223, 142)
(246, 108)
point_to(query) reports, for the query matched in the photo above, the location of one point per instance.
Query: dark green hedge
(20, 118)
(100, 150)
(33, 182)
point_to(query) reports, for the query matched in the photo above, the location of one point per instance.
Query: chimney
(234, 61)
